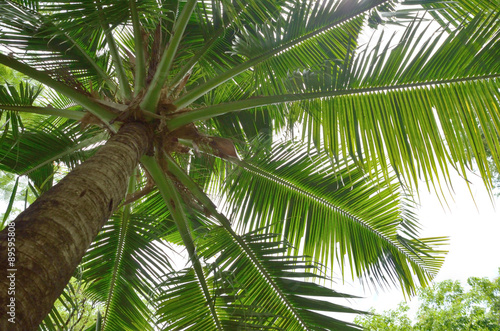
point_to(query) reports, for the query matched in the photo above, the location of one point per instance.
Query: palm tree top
(310, 140)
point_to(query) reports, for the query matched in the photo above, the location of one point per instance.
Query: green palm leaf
(362, 108)
(12, 98)
(72, 310)
(340, 13)
(219, 89)
(438, 79)
(455, 12)
(240, 277)
(44, 44)
(44, 143)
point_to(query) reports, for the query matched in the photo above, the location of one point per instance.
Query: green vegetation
(77, 311)
(267, 138)
(445, 306)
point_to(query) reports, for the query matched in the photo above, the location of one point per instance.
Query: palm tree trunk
(52, 235)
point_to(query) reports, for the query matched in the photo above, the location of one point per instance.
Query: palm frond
(261, 265)
(47, 142)
(24, 95)
(333, 14)
(429, 100)
(123, 267)
(334, 212)
(399, 104)
(456, 12)
(182, 304)
(212, 76)
(212, 34)
(11, 97)
(172, 198)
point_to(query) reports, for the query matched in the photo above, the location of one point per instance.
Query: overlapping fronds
(458, 11)
(421, 89)
(36, 151)
(41, 43)
(182, 305)
(73, 309)
(23, 95)
(12, 97)
(247, 125)
(337, 24)
(213, 31)
(419, 104)
(334, 215)
(46, 143)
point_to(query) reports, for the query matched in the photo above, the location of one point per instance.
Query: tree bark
(52, 235)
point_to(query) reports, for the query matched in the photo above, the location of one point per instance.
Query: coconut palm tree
(307, 137)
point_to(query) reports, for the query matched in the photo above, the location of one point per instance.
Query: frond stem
(71, 93)
(194, 59)
(115, 55)
(220, 109)
(202, 197)
(264, 174)
(49, 111)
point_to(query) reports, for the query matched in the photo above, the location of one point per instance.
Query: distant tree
(446, 306)
(157, 107)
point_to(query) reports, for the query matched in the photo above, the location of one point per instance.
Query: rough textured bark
(52, 235)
